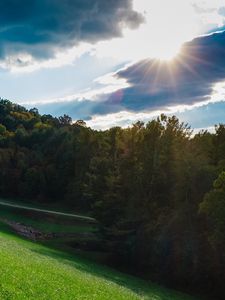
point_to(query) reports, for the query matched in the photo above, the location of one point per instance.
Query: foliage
(214, 207)
(149, 186)
(32, 271)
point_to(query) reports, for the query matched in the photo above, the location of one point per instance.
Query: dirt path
(4, 203)
(26, 231)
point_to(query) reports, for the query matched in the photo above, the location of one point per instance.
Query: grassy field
(44, 222)
(71, 234)
(32, 271)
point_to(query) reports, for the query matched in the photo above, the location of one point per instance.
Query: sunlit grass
(31, 271)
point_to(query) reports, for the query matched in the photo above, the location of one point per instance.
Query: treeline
(157, 190)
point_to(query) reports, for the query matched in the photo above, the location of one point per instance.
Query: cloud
(189, 79)
(211, 114)
(41, 27)
(221, 11)
(193, 78)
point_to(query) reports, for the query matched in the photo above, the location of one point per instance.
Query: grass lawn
(45, 224)
(32, 271)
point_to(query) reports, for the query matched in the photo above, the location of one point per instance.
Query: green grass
(32, 271)
(82, 231)
(45, 224)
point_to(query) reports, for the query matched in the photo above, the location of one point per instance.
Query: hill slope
(32, 271)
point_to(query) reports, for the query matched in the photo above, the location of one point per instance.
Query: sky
(114, 62)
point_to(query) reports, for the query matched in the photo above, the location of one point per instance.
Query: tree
(213, 206)
(34, 111)
(2, 129)
(80, 123)
(65, 120)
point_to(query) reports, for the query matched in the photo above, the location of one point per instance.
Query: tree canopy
(157, 190)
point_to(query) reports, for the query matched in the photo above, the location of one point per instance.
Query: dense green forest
(157, 190)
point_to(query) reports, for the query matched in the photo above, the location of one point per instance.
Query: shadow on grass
(138, 286)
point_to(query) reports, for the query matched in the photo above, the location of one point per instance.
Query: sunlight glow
(168, 24)
(167, 54)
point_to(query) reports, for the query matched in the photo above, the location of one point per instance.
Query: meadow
(30, 270)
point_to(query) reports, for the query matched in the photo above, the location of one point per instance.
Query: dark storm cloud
(187, 80)
(40, 26)
(157, 85)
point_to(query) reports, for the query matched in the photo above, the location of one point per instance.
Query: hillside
(155, 190)
(32, 271)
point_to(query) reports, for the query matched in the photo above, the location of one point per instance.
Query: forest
(156, 189)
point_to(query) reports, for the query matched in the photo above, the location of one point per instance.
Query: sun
(160, 36)
(167, 53)
(165, 28)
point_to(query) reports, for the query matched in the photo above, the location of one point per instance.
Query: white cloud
(123, 119)
(168, 24)
(24, 63)
(126, 118)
